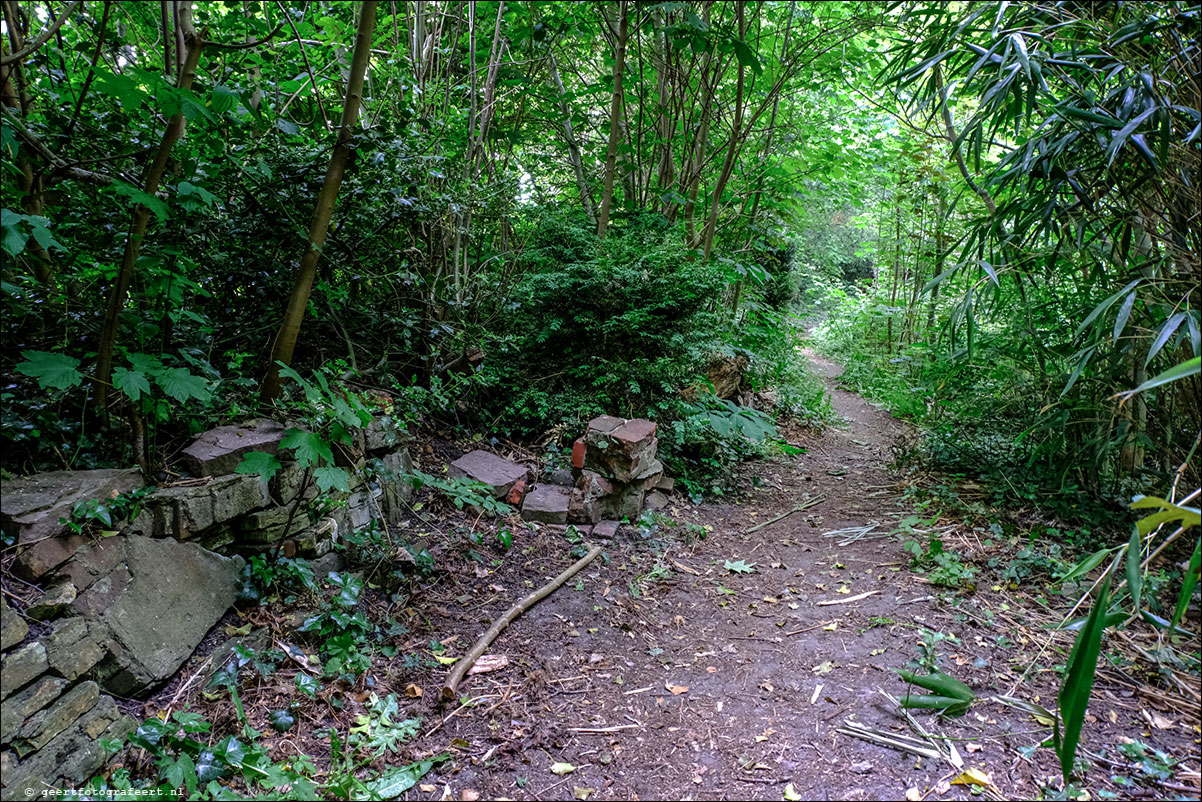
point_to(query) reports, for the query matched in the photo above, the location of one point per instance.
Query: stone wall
(118, 615)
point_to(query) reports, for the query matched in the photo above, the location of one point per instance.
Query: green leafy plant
(91, 514)
(342, 628)
(462, 492)
(331, 417)
(187, 761)
(942, 567)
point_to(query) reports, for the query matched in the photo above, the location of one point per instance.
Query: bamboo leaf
(1078, 683)
(1188, 582)
(1134, 574)
(1085, 566)
(1166, 331)
(1120, 321)
(1190, 367)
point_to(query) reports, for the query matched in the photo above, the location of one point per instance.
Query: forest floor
(661, 673)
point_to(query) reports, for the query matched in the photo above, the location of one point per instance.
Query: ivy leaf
(330, 478)
(396, 781)
(747, 57)
(51, 370)
(310, 449)
(281, 720)
(13, 241)
(739, 567)
(181, 384)
(145, 363)
(260, 462)
(131, 382)
(176, 772)
(208, 767)
(307, 685)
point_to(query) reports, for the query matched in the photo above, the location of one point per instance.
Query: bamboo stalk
(450, 690)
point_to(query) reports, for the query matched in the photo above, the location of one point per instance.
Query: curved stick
(465, 663)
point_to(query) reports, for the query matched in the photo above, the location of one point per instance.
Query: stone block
(286, 484)
(625, 502)
(385, 433)
(623, 450)
(220, 451)
(69, 759)
(98, 560)
(499, 474)
(22, 667)
(12, 626)
(586, 500)
(39, 730)
(20, 706)
(75, 645)
(158, 605)
(187, 512)
(546, 504)
(103, 592)
(53, 603)
(31, 508)
(267, 526)
(562, 477)
(392, 473)
(38, 559)
(605, 530)
(665, 483)
(655, 500)
(600, 428)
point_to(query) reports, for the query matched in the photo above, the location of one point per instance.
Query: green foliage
(108, 513)
(1078, 683)
(462, 491)
(186, 760)
(600, 326)
(941, 566)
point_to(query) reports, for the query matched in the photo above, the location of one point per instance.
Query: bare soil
(659, 673)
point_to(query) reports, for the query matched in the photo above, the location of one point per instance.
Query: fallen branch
(805, 505)
(829, 602)
(450, 690)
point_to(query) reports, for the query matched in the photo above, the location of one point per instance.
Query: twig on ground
(449, 691)
(816, 500)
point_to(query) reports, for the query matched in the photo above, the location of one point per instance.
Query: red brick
(516, 494)
(578, 454)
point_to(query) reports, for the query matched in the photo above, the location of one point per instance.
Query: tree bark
(615, 129)
(586, 198)
(193, 45)
(732, 149)
(306, 274)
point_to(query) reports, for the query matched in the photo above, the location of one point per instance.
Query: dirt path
(666, 672)
(713, 684)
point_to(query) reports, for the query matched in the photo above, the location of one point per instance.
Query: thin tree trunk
(193, 46)
(586, 198)
(732, 149)
(285, 342)
(615, 133)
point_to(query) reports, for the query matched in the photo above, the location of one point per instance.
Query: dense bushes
(615, 325)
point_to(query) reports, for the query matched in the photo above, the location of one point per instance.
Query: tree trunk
(285, 342)
(193, 46)
(586, 198)
(615, 129)
(732, 150)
